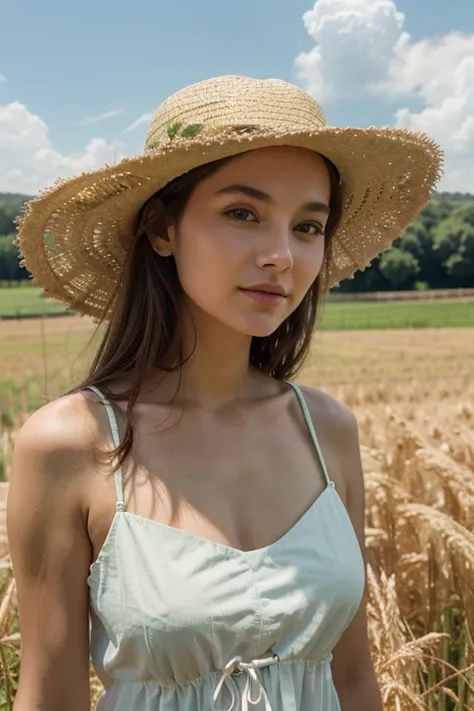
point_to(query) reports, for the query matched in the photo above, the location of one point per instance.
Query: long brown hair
(142, 328)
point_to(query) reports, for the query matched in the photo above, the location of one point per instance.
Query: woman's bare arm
(51, 554)
(352, 668)
(353, 671)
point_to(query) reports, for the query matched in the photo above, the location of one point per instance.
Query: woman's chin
(254, 325)
(261, 328)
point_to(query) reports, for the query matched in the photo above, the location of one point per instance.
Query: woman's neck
(216, 369)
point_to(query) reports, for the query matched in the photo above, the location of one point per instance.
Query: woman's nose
(276, 250)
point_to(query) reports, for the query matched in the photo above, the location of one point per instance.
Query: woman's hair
(142, 328)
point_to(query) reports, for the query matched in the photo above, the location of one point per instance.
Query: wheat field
(413, 394)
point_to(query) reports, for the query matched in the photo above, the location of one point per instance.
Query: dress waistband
(254, 690)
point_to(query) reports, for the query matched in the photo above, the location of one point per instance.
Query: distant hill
(455, 197)
(13, 199)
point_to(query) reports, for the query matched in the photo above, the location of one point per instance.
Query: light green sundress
(180, 623)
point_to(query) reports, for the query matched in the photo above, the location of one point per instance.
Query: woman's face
(250, 242)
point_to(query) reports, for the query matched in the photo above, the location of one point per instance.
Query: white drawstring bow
(254, 690)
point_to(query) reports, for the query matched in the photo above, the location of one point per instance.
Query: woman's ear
(163, 241)
(154, 223)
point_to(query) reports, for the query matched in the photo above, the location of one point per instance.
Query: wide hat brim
(75, 236)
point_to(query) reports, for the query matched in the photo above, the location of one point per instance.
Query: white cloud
(355, 42)
(362, 50)
(28, 160)
(441, 73)
(99, 117)
(2, 77)
(426, 67)
(144, 118)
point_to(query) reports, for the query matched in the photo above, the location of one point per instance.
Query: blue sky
(68, 62)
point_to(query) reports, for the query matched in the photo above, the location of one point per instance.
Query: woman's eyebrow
(312, 206)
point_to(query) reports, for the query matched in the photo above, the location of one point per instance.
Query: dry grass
(414, 398)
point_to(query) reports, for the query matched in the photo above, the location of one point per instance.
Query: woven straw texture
(74, 237)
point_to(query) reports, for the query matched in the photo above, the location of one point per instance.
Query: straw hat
(75, 236)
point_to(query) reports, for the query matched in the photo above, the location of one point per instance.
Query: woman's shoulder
(69, 422)
(337, 430)
(331, 414)
(55, 449)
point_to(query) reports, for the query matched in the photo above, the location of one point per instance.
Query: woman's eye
(310, 228)
(241, 214)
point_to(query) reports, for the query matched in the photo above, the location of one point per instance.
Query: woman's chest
(239, 482)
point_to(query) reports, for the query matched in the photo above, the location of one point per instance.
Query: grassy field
(28, 300)
(386, 315)
(336, 317)
(413, 395)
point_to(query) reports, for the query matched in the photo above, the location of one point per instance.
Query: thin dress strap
(314, 437)
(116, 439)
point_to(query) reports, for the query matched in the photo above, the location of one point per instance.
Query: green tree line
(10, 207)
(436, 252)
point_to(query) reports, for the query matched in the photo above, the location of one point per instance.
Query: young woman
(187, 515)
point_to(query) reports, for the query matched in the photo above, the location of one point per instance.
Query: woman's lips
(267, 298)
